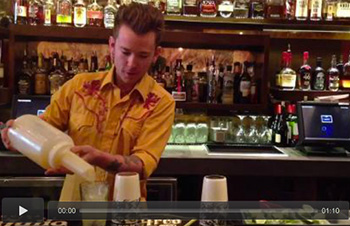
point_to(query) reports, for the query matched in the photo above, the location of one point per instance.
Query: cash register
(324, 128)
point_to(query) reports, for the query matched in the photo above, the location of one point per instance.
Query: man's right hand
(4, 135)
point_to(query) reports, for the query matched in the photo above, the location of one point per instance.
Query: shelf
(261, 24)
(298, 95)
(221, 107)
(23, 96)
(170, 38)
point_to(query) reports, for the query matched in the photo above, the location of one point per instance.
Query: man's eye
(143, 56)
(126, 53)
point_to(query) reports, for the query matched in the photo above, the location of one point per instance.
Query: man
(120, 120)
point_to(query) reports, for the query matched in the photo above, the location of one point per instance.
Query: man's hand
(61, 170)
(4, 135)
(88, 153)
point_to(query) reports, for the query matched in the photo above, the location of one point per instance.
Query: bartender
(120, 120)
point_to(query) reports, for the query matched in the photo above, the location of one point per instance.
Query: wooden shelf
(221, 107)
(261, 24)
(298, 95)
(170, 38)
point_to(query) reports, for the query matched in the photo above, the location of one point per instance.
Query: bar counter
(193, 160)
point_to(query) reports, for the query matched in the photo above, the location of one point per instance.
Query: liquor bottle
(289, 10)
(95, 14)
(108, 65)
(220, 84)
(227, 94)
(345, 80)
(292, 124)
(245, 85)
(212, 82)
(190, 8)
(288, 75)
(237, 72)
(169, 79)
(319, 77)
(25, 82)
(49, 13)
(301, 10)
(174, 7)
(342, 9)
(315, 10)
(20, 11)
(110, 12)
(179, 92)
(305, 73)
(64, 13)
(274, 9)
(189, 82)
(257, 9)
(202, 87)
(57, 76)
(225, 8)
(281, 128)
(207, 8)
(93, 62)
(195, 88)
(241, 9)
(41, 79)
(282, 65)
(253, 85)
(329, 9)
(340, 67)
(161, 5)
(35, 12)
(274, 121)
(158, 76)
(333, 75)
(2, 76)
(79, 14)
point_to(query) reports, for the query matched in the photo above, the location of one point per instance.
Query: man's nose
(132, 61)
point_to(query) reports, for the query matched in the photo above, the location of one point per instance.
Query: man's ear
(157, 53)
(111, 45)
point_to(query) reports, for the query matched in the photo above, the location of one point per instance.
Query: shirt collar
(143, 87)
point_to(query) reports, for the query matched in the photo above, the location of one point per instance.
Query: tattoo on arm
(124, 163)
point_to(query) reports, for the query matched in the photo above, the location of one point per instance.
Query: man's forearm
(120, 163)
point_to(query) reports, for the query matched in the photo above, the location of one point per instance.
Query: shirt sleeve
(154, 135)
(57, 113)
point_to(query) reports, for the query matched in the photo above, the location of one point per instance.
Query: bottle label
(64, 19)
(306, 80)
(33, 10)
(245, 88)
(301, 8)
(319, 81)
(190, 3)
(47, 13)
(109, 19)
(316, 9)
(40, 83)
(225, 8)
(21, 11)
(94, 14)
(80, 15)
(288, 81)
(23, 86)
(343, 10)
(277, 138)
(295, 129)
(173, 4)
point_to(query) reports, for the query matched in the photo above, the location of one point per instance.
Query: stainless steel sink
(245, 150)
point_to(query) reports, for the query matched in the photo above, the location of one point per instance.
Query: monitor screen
(324, 123)
(29, 105)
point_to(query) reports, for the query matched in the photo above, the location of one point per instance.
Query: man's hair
(141, 19)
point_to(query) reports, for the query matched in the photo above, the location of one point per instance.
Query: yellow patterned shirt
(89, 107)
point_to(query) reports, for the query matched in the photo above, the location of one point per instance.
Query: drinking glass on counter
(94, 192)
(127, 189)
(190, 131)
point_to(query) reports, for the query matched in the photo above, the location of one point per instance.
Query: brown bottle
(41, 79)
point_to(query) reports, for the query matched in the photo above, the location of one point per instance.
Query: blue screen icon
(326, 119)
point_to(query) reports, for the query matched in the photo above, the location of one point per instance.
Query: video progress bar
(155, 211)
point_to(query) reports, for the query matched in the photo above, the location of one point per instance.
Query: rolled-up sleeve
(154, 135)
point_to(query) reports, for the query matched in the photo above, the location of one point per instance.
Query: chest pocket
(82, 127)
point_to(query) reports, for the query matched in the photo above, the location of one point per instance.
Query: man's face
(132, 55)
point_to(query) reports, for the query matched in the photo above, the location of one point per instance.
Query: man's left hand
(88, 153)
